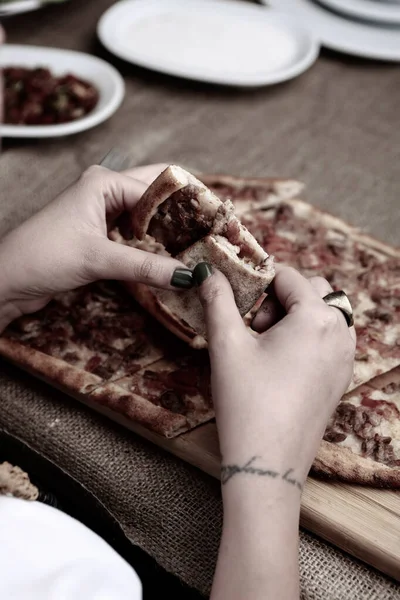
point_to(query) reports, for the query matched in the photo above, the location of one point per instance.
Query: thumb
(110, 260)
(221, 314)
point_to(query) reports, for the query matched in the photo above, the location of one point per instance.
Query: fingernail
(201, 272)
(182, 278)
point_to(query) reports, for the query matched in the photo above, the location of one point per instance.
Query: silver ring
(340, 300)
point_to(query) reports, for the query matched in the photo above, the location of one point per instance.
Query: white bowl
(107, 80)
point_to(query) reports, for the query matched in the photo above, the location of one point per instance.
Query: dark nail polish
(201, 272)
(182, 278)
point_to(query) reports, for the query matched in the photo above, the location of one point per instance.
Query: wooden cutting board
(365, 522)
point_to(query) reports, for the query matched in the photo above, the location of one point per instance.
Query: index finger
(146, 173)
(287, 291)
(292, 289)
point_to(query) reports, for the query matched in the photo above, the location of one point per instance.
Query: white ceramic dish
(229, 43)
(106, 79)
(16, 8)
(341, 34)
(387, 1)
(369, 10)
(8, 9)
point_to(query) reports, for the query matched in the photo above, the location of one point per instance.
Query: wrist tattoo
(229, 471)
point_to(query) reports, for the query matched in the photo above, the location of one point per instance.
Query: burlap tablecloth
(336, 128)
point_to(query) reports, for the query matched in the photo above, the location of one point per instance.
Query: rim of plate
(378, 12)
(105, 28)
(342, 34)
(17, 7)
(94, 118)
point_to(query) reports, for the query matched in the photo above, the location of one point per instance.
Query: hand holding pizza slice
(291, 376)
(179, 216)
(66, 245)
(273, 395)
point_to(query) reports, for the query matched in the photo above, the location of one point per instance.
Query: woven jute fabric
(166, 507)
(335, 128)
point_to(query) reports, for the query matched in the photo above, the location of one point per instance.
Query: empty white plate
(16, 7)
(343, 35)
(106, 79)
(230, 43)
(370, 10)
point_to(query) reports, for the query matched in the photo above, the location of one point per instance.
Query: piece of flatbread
(100, 346)
(362, 440)
(176, 210)
(316, 243)
(181, 215)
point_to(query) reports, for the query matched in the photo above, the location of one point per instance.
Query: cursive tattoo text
(229, 471)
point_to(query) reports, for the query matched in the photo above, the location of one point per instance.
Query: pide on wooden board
(123, 354)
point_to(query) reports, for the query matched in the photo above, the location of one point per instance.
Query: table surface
(336, 128)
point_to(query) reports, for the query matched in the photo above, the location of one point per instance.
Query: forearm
(258, 555)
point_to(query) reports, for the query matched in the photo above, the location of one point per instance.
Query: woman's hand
(66, 245)
(274, 391)
(273, 394)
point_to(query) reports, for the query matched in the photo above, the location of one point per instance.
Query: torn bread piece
(176, 210)
(231, 249)
(181, 311)
(194, 226)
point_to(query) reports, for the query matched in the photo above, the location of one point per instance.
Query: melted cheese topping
(289, 235)
(364, 303)
(388, 427)
(391, 336)
(362, 369)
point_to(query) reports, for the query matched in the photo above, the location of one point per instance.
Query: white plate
(17, 7)
(370, 10)
(230, 43)
(341, 34)
(106, 79)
